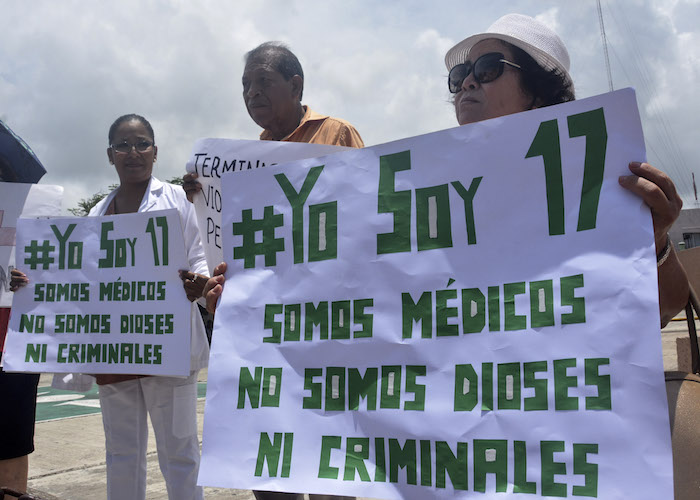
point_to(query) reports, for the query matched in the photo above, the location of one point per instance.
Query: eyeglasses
(125, 147)
(486, 69)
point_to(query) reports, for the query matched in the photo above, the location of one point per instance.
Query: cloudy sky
(68, 68)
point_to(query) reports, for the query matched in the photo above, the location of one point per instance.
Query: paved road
(69, 463)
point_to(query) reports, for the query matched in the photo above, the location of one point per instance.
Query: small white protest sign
(104, 296)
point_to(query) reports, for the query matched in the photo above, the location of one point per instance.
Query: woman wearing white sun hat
(519, 64)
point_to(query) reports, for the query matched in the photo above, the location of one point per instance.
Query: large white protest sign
(27, 200)
(468, 313)
(212, 158)
(104, 296)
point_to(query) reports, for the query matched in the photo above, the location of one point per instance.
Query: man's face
(269, 98)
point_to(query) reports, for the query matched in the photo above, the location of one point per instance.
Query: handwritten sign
(104, 296)
(468, 312)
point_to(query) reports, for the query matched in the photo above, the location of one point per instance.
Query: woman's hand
(191, 185)
(659, 193)
(17, 280)
(193, 283)
(214, 287)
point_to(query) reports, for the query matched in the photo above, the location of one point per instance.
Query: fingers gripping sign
(214, 287)
(191, 185)
(658, 191)
(193, 283)
(18, 280)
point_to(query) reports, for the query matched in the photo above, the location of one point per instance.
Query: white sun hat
(536, 39)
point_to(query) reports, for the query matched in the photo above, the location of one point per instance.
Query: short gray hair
(280, 58)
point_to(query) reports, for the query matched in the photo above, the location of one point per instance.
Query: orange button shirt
(320, 129)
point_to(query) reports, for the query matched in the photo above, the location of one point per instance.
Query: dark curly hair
(546, 87)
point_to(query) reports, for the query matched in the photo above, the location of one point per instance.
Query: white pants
(172, 404)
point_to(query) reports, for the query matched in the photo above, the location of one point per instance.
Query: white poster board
(104, 296)
(212, 158)
(26, 200)
(468, 313)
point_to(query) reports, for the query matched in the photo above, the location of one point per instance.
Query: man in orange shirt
(273, 85)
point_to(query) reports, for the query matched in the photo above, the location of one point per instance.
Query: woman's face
(502, 96)
(133, 167)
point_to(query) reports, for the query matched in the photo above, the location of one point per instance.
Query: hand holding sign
(191, 185)
(194, 284)
(214, 287)
(658, 191)
(18, 280)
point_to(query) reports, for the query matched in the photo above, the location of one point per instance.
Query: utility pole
(605, 45)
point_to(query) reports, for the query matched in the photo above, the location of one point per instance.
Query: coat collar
(150, 197)
(153, 191)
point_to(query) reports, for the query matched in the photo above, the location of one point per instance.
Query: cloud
(550, 18)
(431, 38)
(70, 68)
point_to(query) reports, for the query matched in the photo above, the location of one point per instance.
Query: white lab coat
(171, 402)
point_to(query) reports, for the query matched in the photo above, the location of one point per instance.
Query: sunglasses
(486, 69)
